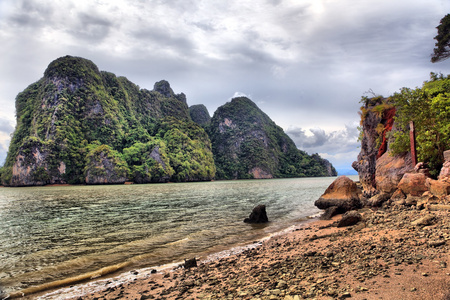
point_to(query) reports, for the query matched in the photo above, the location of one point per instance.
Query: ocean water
(53, 233)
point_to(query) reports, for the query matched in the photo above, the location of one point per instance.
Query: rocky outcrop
(439, 188)
(342, 193)
(32, 167)
(105, 167)
(445, 171)
(258, 215)
(376, 120)
(413, 184)
(76, 107)
(200, 115)
(389, 171)
(259, 173)
(246, 144)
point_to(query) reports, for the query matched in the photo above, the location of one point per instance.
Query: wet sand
(386, 256)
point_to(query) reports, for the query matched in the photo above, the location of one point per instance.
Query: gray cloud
(29, 14)
(5, 131)
(320, 141)
(305, 63)
(6, 127)
(91, 28)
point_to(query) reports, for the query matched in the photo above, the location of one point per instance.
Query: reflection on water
(51, 233)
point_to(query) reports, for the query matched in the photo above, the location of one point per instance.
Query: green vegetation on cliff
(81, 125)
(248, 144)
(429, 108)
(75, 123)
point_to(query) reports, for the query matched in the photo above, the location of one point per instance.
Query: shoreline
(389, 255)
(117, 274)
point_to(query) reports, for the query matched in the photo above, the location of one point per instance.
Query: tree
(442, 49)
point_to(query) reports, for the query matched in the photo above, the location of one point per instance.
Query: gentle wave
(52, 234)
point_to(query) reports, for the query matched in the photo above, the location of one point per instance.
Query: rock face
(342, 193)
(439, 188)
(390, 170)
(105, 167)
(248, 144)
(376, 120)
(75, 108)
(413, 184)
(200, 115)
(258, 215)
(445, 171)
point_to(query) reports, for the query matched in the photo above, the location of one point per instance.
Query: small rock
(424, 221)
(282, 285)
(329, 213)
(350, 218)
(436, 243)
(190, 263)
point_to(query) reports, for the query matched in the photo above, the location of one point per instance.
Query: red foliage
(388, 118)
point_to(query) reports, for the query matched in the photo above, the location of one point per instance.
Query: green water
(52, 233)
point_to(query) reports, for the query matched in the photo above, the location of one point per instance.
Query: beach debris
(190, 263)
(350, 218)
(258, 215)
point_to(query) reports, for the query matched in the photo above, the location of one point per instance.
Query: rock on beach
(342, 193)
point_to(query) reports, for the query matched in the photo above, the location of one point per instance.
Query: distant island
(79, 125)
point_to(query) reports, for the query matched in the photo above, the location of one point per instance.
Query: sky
(305, 63)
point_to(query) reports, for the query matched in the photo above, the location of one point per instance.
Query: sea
(48, 234)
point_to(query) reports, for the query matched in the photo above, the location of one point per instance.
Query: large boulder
(342, 193)
(390, 170)
(438, 188)
(413, 184)
(258, 215)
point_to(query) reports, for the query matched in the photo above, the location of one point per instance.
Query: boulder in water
(258, 215)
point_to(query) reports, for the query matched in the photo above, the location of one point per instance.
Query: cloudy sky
(306, 63)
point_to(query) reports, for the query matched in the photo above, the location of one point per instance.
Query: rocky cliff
(200, 115)
(81, 125)
(248, 144)
(378, 170)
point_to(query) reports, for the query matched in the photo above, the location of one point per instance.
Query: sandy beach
(394, 253)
